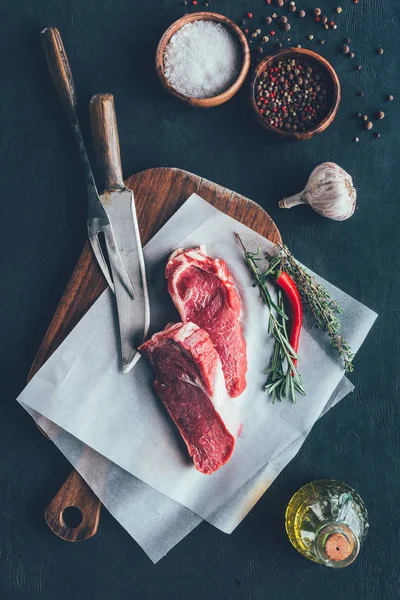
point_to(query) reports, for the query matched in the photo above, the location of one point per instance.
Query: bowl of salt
(203, 59)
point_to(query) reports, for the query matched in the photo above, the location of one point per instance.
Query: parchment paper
(81, 390)
(156, 522)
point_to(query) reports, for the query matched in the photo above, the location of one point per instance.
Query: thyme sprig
(318, 301)
(283, 379)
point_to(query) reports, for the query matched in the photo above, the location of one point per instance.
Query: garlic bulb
(329, 191)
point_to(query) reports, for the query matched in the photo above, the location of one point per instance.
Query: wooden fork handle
(74, 493)
(60, 70)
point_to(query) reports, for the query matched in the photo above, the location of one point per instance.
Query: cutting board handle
(74, 512)
(60, 70)
(106, 142)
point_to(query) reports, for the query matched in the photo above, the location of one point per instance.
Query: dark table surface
(111, 45)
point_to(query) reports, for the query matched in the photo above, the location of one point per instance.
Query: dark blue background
(111, 46)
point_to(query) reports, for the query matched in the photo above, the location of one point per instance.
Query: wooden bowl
(305, 55)
(229, 92)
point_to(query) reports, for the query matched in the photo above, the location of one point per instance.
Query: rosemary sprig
(283, 378)
(319, 302)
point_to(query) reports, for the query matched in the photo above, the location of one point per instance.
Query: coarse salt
(202, 59)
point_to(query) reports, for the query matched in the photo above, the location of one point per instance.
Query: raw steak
(203, 291)
(190, 383)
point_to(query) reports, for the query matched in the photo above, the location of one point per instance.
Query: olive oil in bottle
(327, 522)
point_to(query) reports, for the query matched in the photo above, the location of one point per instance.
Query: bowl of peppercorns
(295, 93)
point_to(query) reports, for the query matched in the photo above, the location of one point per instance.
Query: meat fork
(98, 221)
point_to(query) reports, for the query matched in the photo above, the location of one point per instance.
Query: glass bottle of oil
(327, 522)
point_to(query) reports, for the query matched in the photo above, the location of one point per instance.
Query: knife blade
(118, 202)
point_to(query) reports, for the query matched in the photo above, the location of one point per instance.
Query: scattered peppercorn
(361, 94)
(272, 32)
(322, 42)
(351, 55)
(283, 19)
(365, 118)
(339, 10)
(268, 20)
(267, 1)
(359, 115)
(379, 50)
(317, 12)
(326, 26)
(274, 16)
(334, 26)
(324, 19)
(358, 67)
(310, 36)
(377, 135)
(298, 46)
(302, 14)
(355, 1)
(292, 7)
(250, 15)
(390, 98)
(185, 2)
(356, 139)
(380, 114)
(293, 95)
(368, 125)
(287, 27)
(280, 2)
(258, 31)
(194, 2)
(243, 22)
(345, 49)
(246, 31)
(347, 40)
(265, 39)
(279, 45)
(260, 50)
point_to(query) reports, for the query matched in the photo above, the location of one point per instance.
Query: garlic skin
(329, 191)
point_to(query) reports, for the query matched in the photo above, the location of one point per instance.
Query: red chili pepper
(292, 293)
(250, 15)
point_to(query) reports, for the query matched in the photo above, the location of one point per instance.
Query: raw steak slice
(203, 291)
(190, 382)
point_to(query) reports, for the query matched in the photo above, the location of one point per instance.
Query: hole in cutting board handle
(71, 517)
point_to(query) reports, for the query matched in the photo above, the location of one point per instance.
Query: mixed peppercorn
(293, 95)
(279, 26)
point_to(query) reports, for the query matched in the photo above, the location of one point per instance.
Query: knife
(98, 221)
(118, 202)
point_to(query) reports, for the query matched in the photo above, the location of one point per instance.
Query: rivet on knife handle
(59, 68)
(105, 135)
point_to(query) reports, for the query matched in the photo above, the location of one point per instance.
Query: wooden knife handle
(60, 71)
(106, 141)
(76, 497)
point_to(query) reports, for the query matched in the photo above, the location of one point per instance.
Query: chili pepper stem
(292, 201)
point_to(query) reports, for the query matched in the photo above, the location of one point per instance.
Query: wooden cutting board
(158, 195)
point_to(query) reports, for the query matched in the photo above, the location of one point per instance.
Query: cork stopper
(338, 547)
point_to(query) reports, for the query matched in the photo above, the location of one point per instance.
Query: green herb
(319, 302)
(283, 379)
